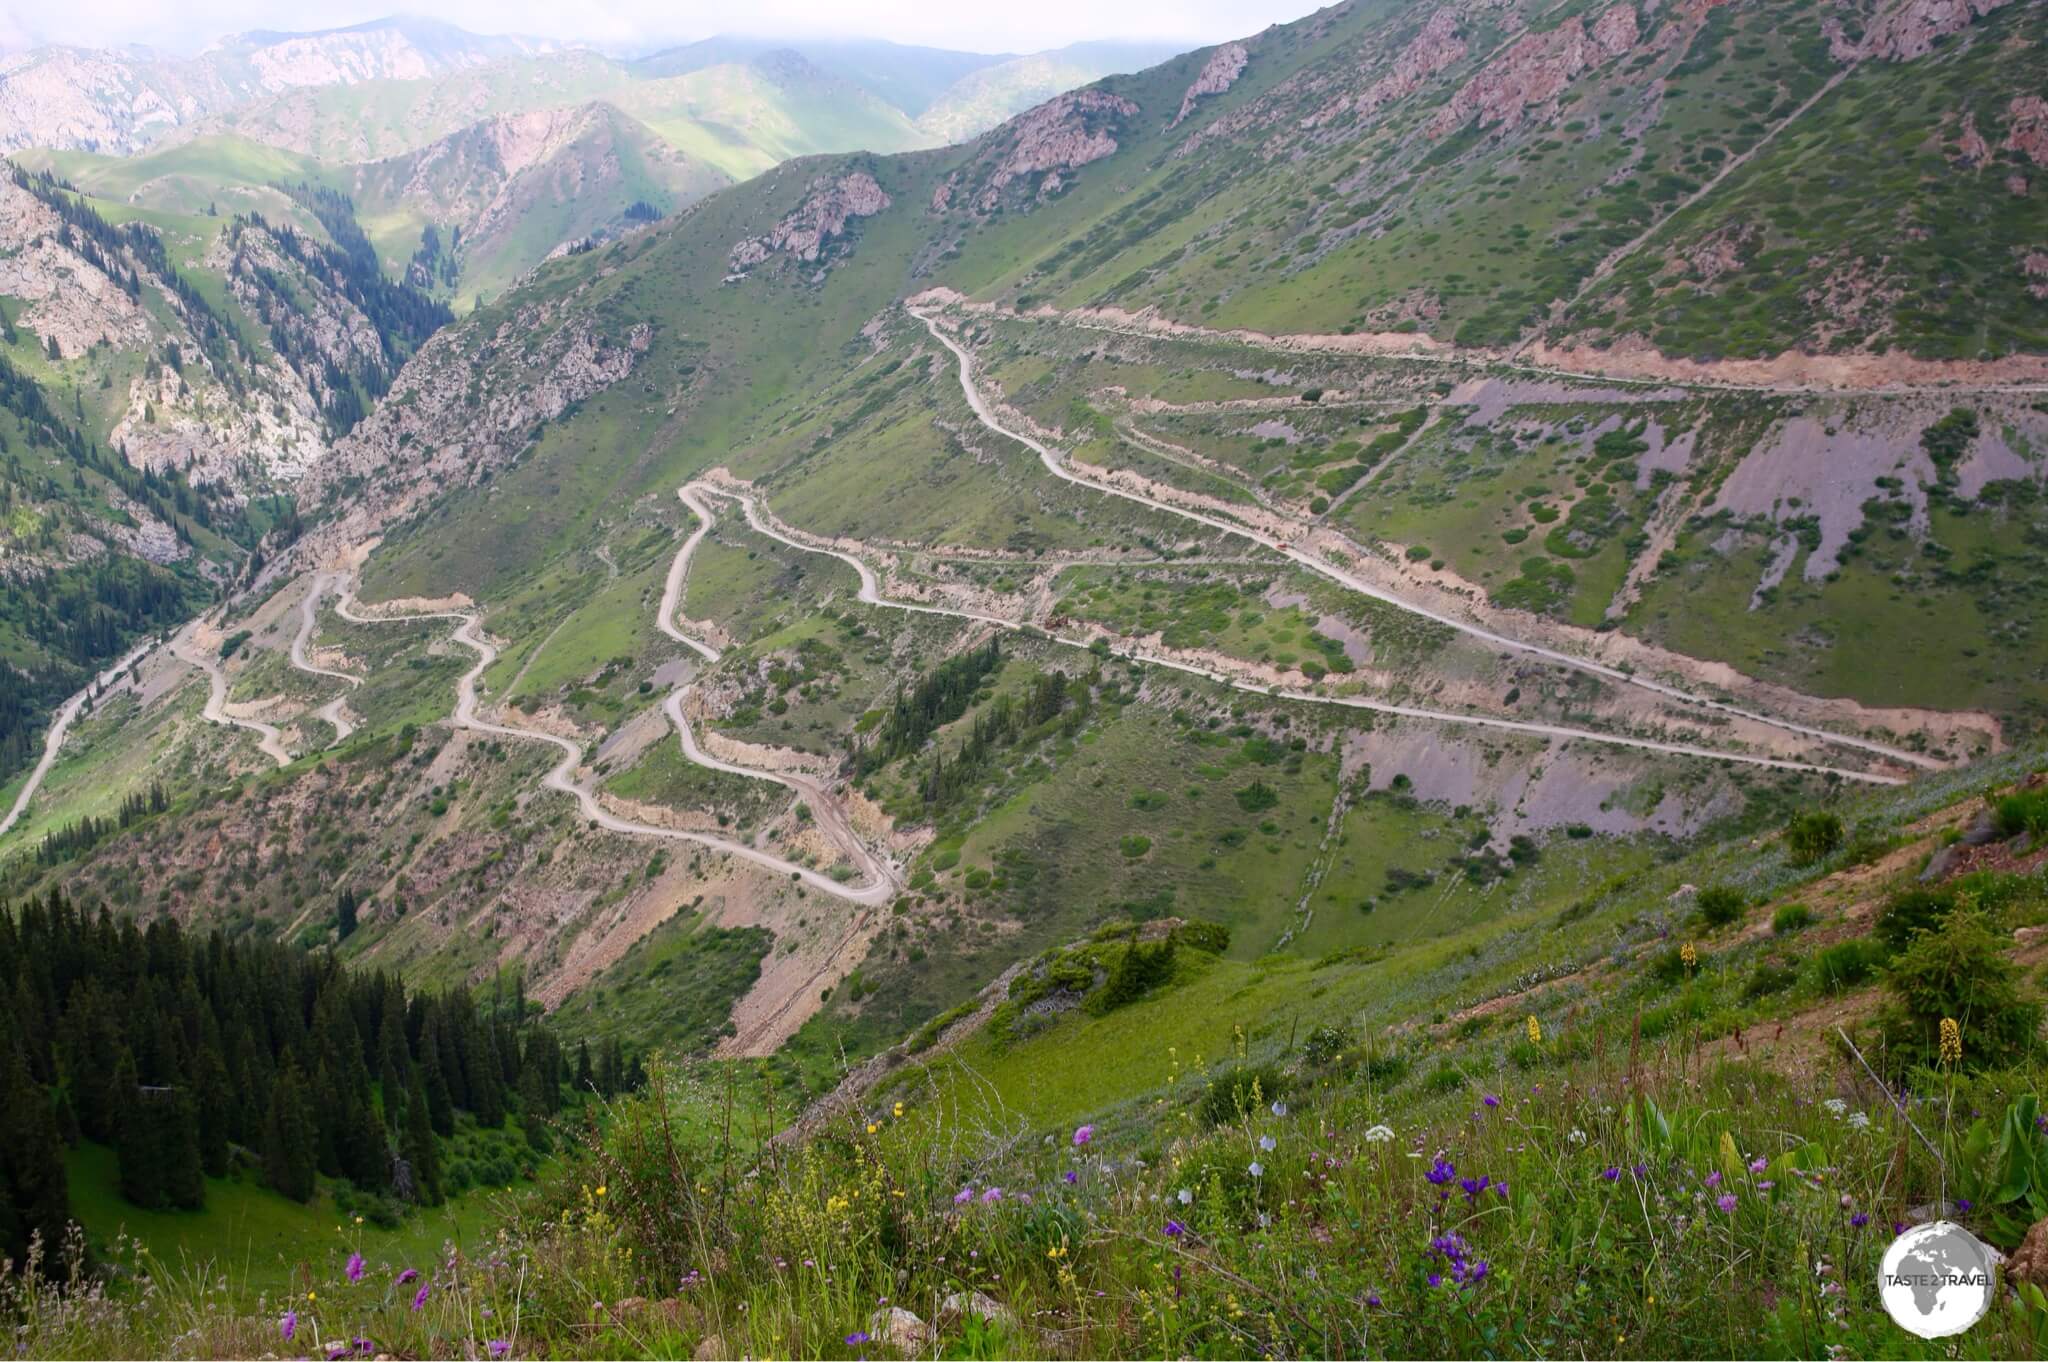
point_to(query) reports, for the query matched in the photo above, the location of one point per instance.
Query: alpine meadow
(1379, 689)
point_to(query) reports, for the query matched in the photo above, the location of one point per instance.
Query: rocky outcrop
(1535, 69)
(469, 403)
(1218, 74)
(2035, 266)
(828, 206)
(1971, 148)
(1437, 47)
(2026, 128)
(1059, 136)
(1908, 30)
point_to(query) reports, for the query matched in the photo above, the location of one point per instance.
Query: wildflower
(1611, 1173)
(1266, 1142)
(1576, 1136)
(1174, 1229)
(991, 1196)
(1758, 1165)
(1441, 1172)
(1379, 1134)
(1082, 1135)
(1474, 1186)
(1070, 1177)
(897, 1111)
(499, 1346)
(1688, 956)
(1835, 1107)
(856, 1338)
(1256, 1169)
(1859, 1121)
(600, 1189)
(1279, 1108)
(1372, 1298)
(873, 1127)
(1436, 1279)
(411, 1274)
(1951, 1041)
(1490, 1100)
(1858, 1221)
(1535, 1030)
(963, 1196)
(355, 1267)
(420, 1298)
(1964, 1205)
(1727, 1203)
(288, 1324)
(1714, 1179)
(1184, 1197)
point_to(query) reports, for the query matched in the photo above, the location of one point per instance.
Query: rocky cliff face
(470, 402)
(1907, 31)
(809, 230)
(1535, 69)
(1037, 150)
(1218, 74)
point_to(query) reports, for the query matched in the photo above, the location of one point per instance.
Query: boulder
(2030, 1262)
(711, 1349)
(900, 1329)
(1939, 865)
(1983, 830)
(962, 1304)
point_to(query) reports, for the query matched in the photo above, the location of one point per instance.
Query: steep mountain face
(985, 97)
(501, 195)
(83, 99)
(1413, 463)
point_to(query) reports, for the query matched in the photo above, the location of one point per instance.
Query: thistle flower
(1758, 1165)
(1727, 1203)
(1082, 1135)
(288, 1324)
(499, 1346)
(991, 1196)
(355, 1267)
(411, 1274)
(1951, 1041)
(963, 1196)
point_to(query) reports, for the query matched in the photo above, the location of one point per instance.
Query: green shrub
(2025, 812)
(1445, 1077)
(1135, 845)
(1720, 905)
(1793, 917)
(1769, 976)
(1239, 1091)
(1201, 935)
(1324, 1045)
(1845, 965)
(1958, 969)
(1810, 837)
(1911, 913)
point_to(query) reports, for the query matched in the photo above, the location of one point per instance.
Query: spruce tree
(289, 1147)
(35, 1198)
(138, 1140)
(418, 1150)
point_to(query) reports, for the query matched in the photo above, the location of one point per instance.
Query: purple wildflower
(420, 1298)
(1372, 1298)
(856, 1338)
(1758, 1165)
(411, 1274)
(1174, 1229)
(1727, 1203)
(1070, 1177)
(1713, 1179)
(1963, 1205)
(1490, 1100)
(1858, 1221)
(1442, 1171)
(1640, 1170)
(1083, 1134)
(1611, 1173)
(355, 1267)
(991, 1196)
(288, 1324)
(963, 1196)
(499, 1346)
(1436, 1279)
(1474, 1186)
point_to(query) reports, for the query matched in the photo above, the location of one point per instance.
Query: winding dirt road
(309, 609)
(871, 594)
(1059, 468)
(267, 735)
(60, 724)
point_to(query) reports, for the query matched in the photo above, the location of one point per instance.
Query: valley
(1031, 648)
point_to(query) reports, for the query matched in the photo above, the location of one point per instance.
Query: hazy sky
(980, 25)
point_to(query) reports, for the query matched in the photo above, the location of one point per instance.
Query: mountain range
(1440, 552)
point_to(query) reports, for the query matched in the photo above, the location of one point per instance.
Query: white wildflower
(1577, 1136)
(1184, 1197)
(1379, 1134)
(1858, 1121)
(1266, 1143)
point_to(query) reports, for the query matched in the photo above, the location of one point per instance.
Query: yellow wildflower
(1689, 956)
(600, 1189)
(898, 1112)
(872, 1127)
(1951, 1041)
(1535, 1031)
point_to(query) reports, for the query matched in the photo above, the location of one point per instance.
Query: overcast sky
(980, 25)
